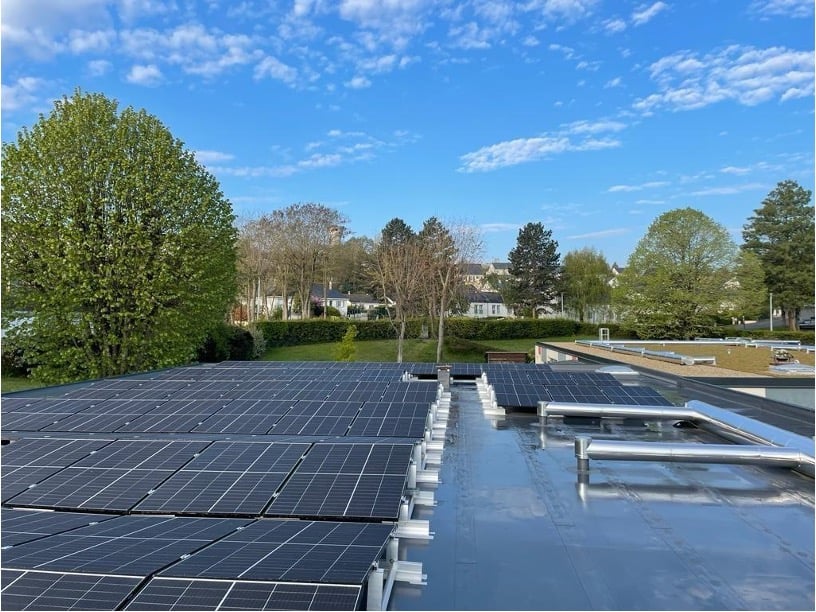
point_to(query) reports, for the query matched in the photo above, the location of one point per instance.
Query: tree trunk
(400, 339)
(790, 318)
(440, 335)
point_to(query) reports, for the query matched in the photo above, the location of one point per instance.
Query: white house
(486, 304)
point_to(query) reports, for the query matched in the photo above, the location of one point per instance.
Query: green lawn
(9, 384)
(413, 350)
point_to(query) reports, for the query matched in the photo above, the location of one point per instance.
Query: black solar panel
(105, 479)
(346, 480)
(20, 526)
(185, 594)
(56, 452)
(63, 591)
(125, 545)
(295, 551)
(17, 479)
(27, 421)
(227, 478)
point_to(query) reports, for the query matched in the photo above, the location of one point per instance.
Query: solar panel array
(525, 387)
(233, 486)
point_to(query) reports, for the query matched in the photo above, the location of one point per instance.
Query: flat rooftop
(516, 530)
(516, 525)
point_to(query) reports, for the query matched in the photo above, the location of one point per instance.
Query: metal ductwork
(586, 448)
(758, 442)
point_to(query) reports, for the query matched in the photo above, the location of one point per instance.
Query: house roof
(475, 296)
(473, 269)
(362, 298)
(332, 294)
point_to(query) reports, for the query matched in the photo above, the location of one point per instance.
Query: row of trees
(120, 253)
(420, 273)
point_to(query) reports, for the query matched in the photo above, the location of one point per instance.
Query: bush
(346, 350)
(13, 361)
(225, 342)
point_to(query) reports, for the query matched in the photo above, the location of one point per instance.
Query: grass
(462, 351)
(10, 384)
(739, 358)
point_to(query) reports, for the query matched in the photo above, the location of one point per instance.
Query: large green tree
(748, 295)
(781, 234)
(119, 248)
(585, 281)
(534, 266)
(677, 279)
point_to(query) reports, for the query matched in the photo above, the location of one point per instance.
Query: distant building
(486, 304)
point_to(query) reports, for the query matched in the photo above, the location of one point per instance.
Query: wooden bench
(505, 357)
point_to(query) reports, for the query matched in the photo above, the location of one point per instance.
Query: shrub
(227, 342)
(13, 361)
(346, 350)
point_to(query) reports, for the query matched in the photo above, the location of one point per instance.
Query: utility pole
(562, 304)
(770, 294)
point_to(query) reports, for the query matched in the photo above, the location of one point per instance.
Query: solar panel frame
(126, 545)
(298, 551)
(33, 590)
(191, 594)
(20, 526)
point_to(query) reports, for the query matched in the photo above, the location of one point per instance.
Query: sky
(591, 117)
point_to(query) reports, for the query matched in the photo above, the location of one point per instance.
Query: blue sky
(592, 117)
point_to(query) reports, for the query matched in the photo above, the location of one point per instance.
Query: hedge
(314, 331)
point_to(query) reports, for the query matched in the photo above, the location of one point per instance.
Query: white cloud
(616, 82)
(35, 43)
(195, 48)
(358, 82)
(641, 187)
(729, 189)
(614, 26)
(491, 228)
(594, 127)
(530, 41)
(782, 8)
(746, 75)
(276, 69)
(81, 41)
(600, 234)
(521, 150)
(54, 16)
(470, 36)
(650, 202)
(148, 76)
(22, 94)
(512, 152)
(211, 157)
(99, 67)
(566, 10)
(734, 170)
(644, 13)
(132, 10)
(341, 148)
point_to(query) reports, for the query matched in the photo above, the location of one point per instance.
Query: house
(615, 271)
(359, 305)
(473, 274)
(498, 269)
(486, 304)
(333, 298)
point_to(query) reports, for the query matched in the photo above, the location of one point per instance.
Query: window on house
(478, 308)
